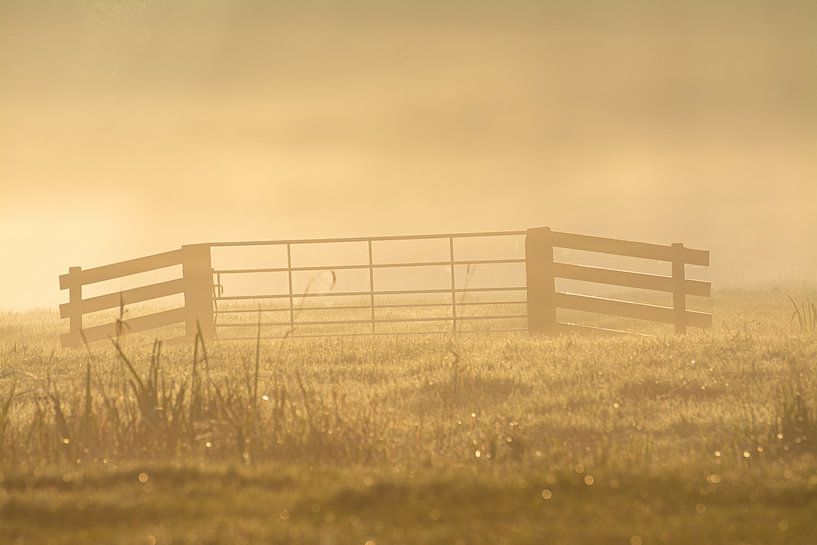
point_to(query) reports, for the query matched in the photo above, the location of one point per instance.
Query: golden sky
(131, 127)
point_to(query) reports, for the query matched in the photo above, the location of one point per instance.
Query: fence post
(679, 299)
(197, 270)
(540, 280)
(74, 337)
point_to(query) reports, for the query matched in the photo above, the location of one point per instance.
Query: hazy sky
(132, 127)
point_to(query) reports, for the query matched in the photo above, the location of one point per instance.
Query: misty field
(501, 439)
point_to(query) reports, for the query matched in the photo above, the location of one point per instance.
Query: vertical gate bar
(679, 302)
(540, 281)
(291, 306)
(453, 284)
(371, 283)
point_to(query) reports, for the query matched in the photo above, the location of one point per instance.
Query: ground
(706, 438)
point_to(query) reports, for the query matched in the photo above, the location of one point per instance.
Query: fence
(196, 285)
(544, 300)
(491, 308)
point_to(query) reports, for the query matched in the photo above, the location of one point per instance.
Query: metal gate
(320, 304)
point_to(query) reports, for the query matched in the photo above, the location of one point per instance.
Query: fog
(132, 127)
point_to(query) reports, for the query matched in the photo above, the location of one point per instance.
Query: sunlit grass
(708, 438)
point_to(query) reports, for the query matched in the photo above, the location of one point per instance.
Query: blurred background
(131, 127)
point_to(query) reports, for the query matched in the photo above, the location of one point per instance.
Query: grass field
(709, 438)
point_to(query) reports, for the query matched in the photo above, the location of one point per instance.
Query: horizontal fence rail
(456, 306)
(78, 277)
(628, 248)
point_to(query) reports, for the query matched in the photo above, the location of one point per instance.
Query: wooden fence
(205, 303)
(196, 284)
(542, 272)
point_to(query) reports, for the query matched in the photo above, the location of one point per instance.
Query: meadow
(709, 438)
